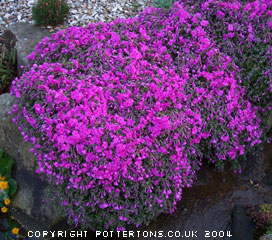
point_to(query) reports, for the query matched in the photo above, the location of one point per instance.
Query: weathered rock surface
(266, 237)
(28, 36)
(243, 227)
(27, 207)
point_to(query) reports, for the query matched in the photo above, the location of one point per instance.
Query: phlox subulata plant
(121, 115)
(243, 31)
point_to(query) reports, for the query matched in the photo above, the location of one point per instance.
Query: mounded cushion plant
(119, 114)
(243, 31)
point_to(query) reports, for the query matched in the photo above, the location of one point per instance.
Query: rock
(28, 36)
(266, 237)
(243, 227)
(78, 4)
(74, 11)
(267, 162)
(7, 15)
(30, 2)
(73, 23)
(19, 17)
(27, 206)
(8, 39)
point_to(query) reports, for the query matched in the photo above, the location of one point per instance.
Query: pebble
(82, 12)
(19, 17)
(7, 16)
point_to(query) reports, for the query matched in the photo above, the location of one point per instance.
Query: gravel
(82, 12)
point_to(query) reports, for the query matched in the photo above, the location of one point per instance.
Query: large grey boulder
(27, 206)
(243, 227)
(28, 36)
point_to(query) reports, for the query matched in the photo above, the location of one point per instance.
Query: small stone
(83, 17)
(7, 15)
(74, 11)
(73, 23)
(266, 237)
(77, 4)
(30, 2)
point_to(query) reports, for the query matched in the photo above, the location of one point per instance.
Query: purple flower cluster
(243, 31)
(119, 113)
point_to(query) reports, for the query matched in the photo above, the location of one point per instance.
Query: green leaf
(13, 185)
(1, 152)
(6, 235)
(5, 71)
(4, 77)
(6, 165)
(12, 223)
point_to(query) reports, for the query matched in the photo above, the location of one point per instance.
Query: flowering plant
(50, 12)
(120, 114)
(243, 31)
(164, 4)
(9, 229)
(261, 215)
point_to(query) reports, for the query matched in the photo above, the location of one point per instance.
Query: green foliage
(164, 4)
(262, 216)
(8, 227)
(50, 12)
(6, 163)
(7, 67)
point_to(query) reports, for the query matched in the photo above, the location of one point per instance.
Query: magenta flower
(128, 117)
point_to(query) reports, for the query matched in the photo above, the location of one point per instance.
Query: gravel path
(82, 12)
